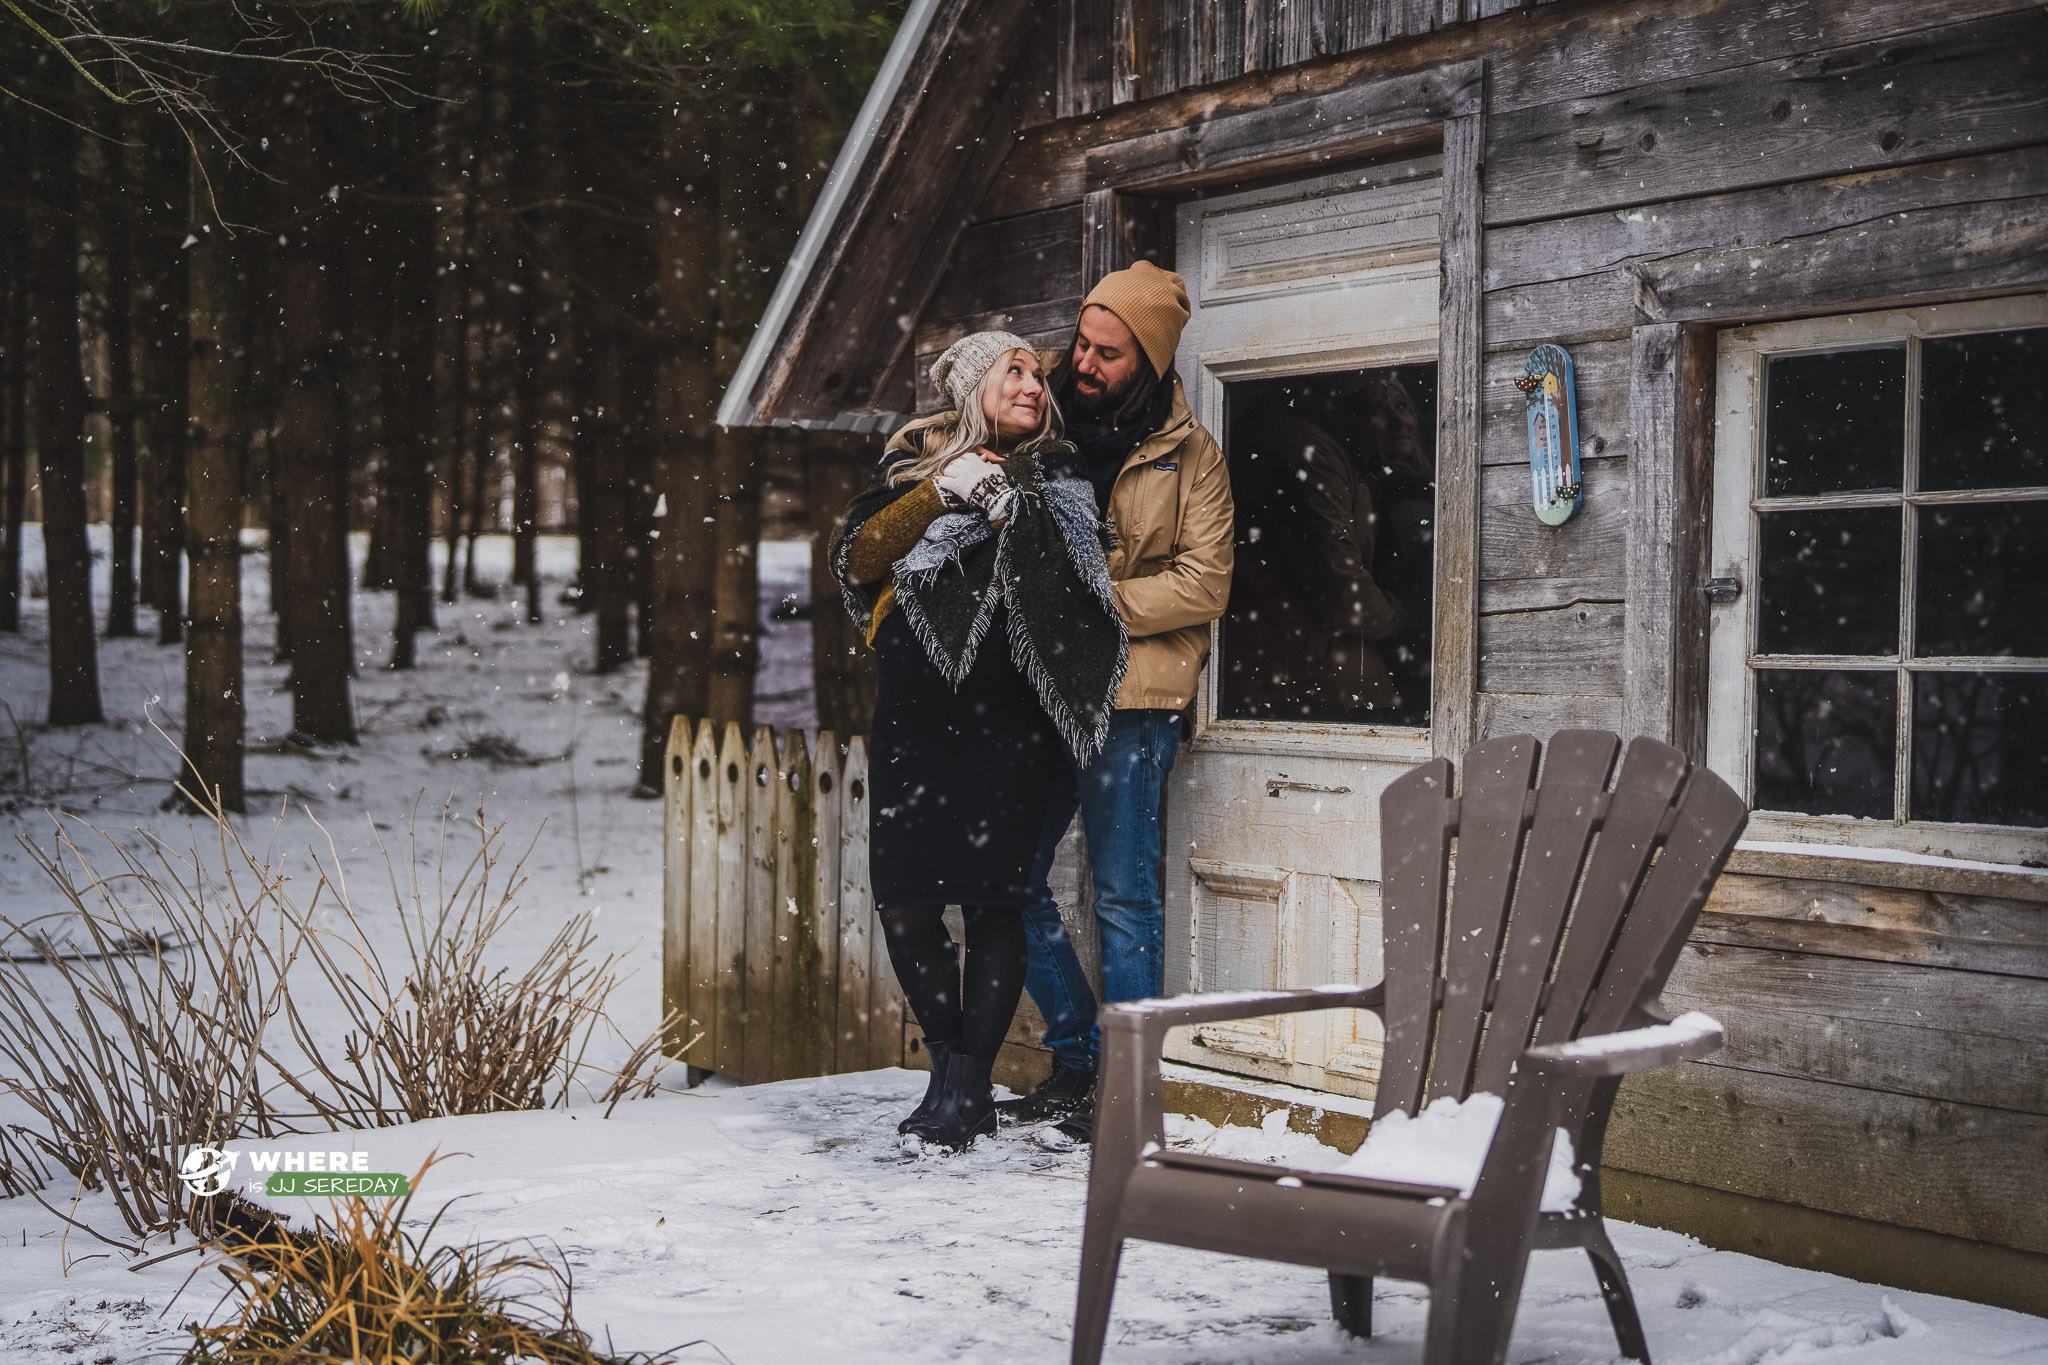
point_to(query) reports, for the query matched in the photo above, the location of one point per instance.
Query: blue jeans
(1118, 796)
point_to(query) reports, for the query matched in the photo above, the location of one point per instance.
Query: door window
(1334, 478)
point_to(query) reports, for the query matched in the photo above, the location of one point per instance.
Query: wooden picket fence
(770, 948)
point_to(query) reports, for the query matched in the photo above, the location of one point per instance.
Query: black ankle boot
(966, 1107)
(1058, 1095)
(938, 1052)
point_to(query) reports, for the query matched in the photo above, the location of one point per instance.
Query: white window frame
(1738, 499)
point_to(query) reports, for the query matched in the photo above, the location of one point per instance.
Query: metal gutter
(735, 407)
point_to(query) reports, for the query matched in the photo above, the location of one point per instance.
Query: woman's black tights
(969, 1008)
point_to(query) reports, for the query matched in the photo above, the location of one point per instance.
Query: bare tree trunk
(14, 292)
(121, 406)
(686, 394)
(842, 667)
(277, 513)
(607, 579)
(60, 421)
(530, 350)
(317, 574)
(454, 402)
(736, 590)
(163, 355)
(214, 707)
(409, 386)
(531, 176)
(751, 229)
(377, 571)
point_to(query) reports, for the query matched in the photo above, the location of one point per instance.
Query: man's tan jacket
(1170, 558)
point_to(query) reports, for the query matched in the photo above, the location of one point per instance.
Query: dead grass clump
(363, 1288)
(194, 1000)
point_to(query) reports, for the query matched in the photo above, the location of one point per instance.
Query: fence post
(707, 967)
(795, 976)
(676, 965)
(732, 779)
(824, 798)
(762, 912)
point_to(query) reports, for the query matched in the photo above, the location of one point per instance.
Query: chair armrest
(1641, 1049)
(1156, 1016)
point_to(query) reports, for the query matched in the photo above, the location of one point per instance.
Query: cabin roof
(926, 144)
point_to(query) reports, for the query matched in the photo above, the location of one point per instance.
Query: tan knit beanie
(959, 372)
(1152, 302)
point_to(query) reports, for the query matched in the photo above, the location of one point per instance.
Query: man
(1160, 480)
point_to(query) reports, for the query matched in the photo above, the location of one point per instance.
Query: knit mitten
(970, 481)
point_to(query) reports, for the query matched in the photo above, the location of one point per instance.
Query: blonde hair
(948, 435)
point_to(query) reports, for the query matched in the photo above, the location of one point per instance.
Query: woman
(975, 563)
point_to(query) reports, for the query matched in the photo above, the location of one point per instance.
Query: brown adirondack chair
(1571, 903)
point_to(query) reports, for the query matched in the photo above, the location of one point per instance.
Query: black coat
(971, 739)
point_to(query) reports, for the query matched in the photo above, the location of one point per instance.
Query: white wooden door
(1272, 852)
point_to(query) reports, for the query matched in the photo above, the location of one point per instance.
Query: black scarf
(1045, 563)
(1105, 443)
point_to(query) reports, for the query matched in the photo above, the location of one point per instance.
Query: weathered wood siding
(1643, 165)
(1887, 1060)
(1650, 171)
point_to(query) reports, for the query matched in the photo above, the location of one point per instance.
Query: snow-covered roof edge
(736, 407)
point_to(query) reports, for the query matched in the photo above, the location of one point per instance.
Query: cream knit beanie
(959, 372)
(1152, 302)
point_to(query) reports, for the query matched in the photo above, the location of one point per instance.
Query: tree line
(324, 268)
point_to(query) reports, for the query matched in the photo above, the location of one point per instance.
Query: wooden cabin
(1797, 252)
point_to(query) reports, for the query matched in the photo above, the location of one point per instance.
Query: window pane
(1980, 748)
(1983, 580)
(1334, 476)
(1829, 582)
(1835, 423)
(1825, 742)
(1984, 410)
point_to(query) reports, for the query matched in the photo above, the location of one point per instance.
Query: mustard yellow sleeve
(888, 535)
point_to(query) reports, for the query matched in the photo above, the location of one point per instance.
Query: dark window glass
(1983, 580)
(1829, 582)
(1834, 423)
(1825, 741)
(1334, 477)
(1980, 748)
(1984, 410)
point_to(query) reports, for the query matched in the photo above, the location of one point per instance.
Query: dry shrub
(176, 1012)
(362, 1288)
(142, 1032)
(454, 1035)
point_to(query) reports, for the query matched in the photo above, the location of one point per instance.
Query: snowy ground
(775, 1223)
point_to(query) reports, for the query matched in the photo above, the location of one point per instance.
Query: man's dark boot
(938, 1051)
(966, 1107)
(1079, 1126)
(1058, 1095)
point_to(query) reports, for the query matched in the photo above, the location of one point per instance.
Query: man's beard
(1103, 403)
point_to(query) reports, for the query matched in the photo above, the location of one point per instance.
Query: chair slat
(1651, 773)
(1575, 768)
(1415, 849)
(1497, 777)
(1674, 892)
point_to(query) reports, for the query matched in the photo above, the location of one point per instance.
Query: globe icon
(203, 1171)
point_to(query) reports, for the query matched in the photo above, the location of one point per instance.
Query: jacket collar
(1180, 420)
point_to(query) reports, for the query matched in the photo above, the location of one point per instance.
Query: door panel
(1273, 859)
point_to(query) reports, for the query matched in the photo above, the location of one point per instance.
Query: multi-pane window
(1896, 593)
